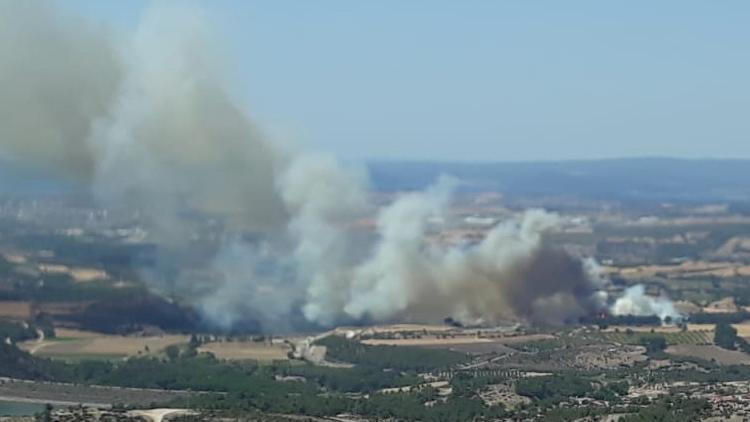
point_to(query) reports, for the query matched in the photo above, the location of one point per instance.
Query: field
(63, 308)
(672, 333)
(79, 275)
(672, 337)
(464, 343)
(78, 345)
(15, 310)
(743, 329)
(476, 348)
(709, 352)
(247, 350)
(71, 394)
(685, 269)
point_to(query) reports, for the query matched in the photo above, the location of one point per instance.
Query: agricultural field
(477, 348)
(687, 269)
(743, 329)
(247, 350)
(672, 337)
(74, 345)
(16, 310)
(437, 341)
(710, 352)
(72, 394)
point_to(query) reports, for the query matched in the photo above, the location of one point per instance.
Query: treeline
(403, 358)
(636, 320)
(554, 387)
(670, 409)
(719, 317)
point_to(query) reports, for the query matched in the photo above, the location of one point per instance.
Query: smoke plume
(147, 120)
(634, 301)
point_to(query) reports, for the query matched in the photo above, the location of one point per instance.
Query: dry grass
(72, 333)
(84, 275)
(721, 356)
(63, 308)
(683, 270)
(15, 310)
(76, 344)
(79, 275)
(247, 350)
(743, 329)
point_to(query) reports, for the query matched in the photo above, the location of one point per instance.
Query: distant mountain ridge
(608, 179)
(627, 178)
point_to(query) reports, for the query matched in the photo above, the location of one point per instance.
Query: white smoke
(147, 120)
(323, 198)
(635, 301)
(406, 274)
(256, 288)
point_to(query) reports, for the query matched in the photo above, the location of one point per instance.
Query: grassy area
(76, 345)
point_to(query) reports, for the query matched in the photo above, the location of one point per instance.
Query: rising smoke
(635, 302)
(146, 119)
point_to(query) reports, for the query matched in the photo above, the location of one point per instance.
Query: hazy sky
(489, 80)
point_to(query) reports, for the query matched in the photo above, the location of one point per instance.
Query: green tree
(173, 352)
(725, 336)
(654, 344)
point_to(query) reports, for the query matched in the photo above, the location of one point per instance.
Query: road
(39, 342)
(158, 415)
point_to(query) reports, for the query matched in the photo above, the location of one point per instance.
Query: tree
(46, 414)
(654, 343)
(173, 352)
(194, 342)
(725, 336)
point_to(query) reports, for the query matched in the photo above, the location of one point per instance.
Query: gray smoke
(512, 274)
(59, 74)
(144, 119)
(147, 120)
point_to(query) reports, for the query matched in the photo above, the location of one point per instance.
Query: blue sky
(488, 80)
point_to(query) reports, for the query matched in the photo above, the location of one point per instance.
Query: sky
(486, 80)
